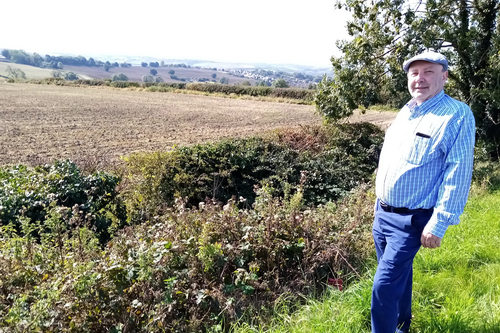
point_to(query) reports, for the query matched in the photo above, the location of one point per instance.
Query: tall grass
(456, 287)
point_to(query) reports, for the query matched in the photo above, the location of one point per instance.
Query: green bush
(27, 194)
(333, 160)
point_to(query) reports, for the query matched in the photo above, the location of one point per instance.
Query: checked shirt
(426, 160)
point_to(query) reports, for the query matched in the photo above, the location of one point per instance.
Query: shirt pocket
(420, 151)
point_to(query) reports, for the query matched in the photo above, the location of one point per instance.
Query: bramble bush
(335, 159)
(26, 195)
(187, 270)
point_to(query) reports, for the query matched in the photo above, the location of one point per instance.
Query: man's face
(425, 80)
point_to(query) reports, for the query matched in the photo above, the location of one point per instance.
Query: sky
(269, 31)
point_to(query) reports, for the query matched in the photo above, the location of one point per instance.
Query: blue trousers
(397, 241)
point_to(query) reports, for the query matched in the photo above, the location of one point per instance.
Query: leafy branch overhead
(386, 33)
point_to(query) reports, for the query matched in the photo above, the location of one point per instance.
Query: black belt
(401, 210)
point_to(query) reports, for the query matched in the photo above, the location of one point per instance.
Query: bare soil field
(135, 73)
(41, 123)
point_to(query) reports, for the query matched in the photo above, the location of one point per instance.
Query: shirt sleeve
(454, 190)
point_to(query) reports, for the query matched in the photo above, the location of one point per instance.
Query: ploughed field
(41, 123)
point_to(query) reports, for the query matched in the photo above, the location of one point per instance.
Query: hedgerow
(334, 160)
(216, 233)
(255, 91)
(124, 84)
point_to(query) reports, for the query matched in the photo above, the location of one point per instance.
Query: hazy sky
(300, 32)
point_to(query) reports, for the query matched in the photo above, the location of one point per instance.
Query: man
(422, 185)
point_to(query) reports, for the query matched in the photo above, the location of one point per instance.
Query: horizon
(265, 32)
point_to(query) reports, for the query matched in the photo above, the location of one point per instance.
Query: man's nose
(418, 77)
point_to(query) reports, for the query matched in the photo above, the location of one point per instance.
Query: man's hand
(430, 241)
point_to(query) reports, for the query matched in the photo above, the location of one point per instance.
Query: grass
(456, 287)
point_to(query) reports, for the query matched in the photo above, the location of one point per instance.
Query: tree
(148, 78)
(245, 83)
(6, 54)
(144, 64)
(171, 72)
(15, 73)
(154, 64)
(280, 83)
(214, 75)
(60, 65)
(162, 63)
(70, 76)
(91, 62)
(19, 57)
(224, 80)
(119, 77)
(262, 84)
(385, 33)
(153, 72)
(107, 67)
(56, 74)
(115, 64)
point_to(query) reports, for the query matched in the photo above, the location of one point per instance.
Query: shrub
(27, 194)
(91, 82)
(335, 161)
(292, 93)
(124, 84)
(186, 271)
(173, 85)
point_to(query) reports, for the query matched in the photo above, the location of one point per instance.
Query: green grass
(456, 287)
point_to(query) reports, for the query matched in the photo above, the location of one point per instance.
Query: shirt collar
(423, 108)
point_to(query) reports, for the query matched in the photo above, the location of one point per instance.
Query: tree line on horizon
(57, 62)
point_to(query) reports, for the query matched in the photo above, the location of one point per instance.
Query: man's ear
(445, 75)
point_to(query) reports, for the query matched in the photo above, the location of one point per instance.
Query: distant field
(44, 122)
(135, 73)
(30, 71)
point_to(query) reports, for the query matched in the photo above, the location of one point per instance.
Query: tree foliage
(119, 77)
(280, 83)
(385, 33)
(153, 72)
(6, 53)
(151, 78)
